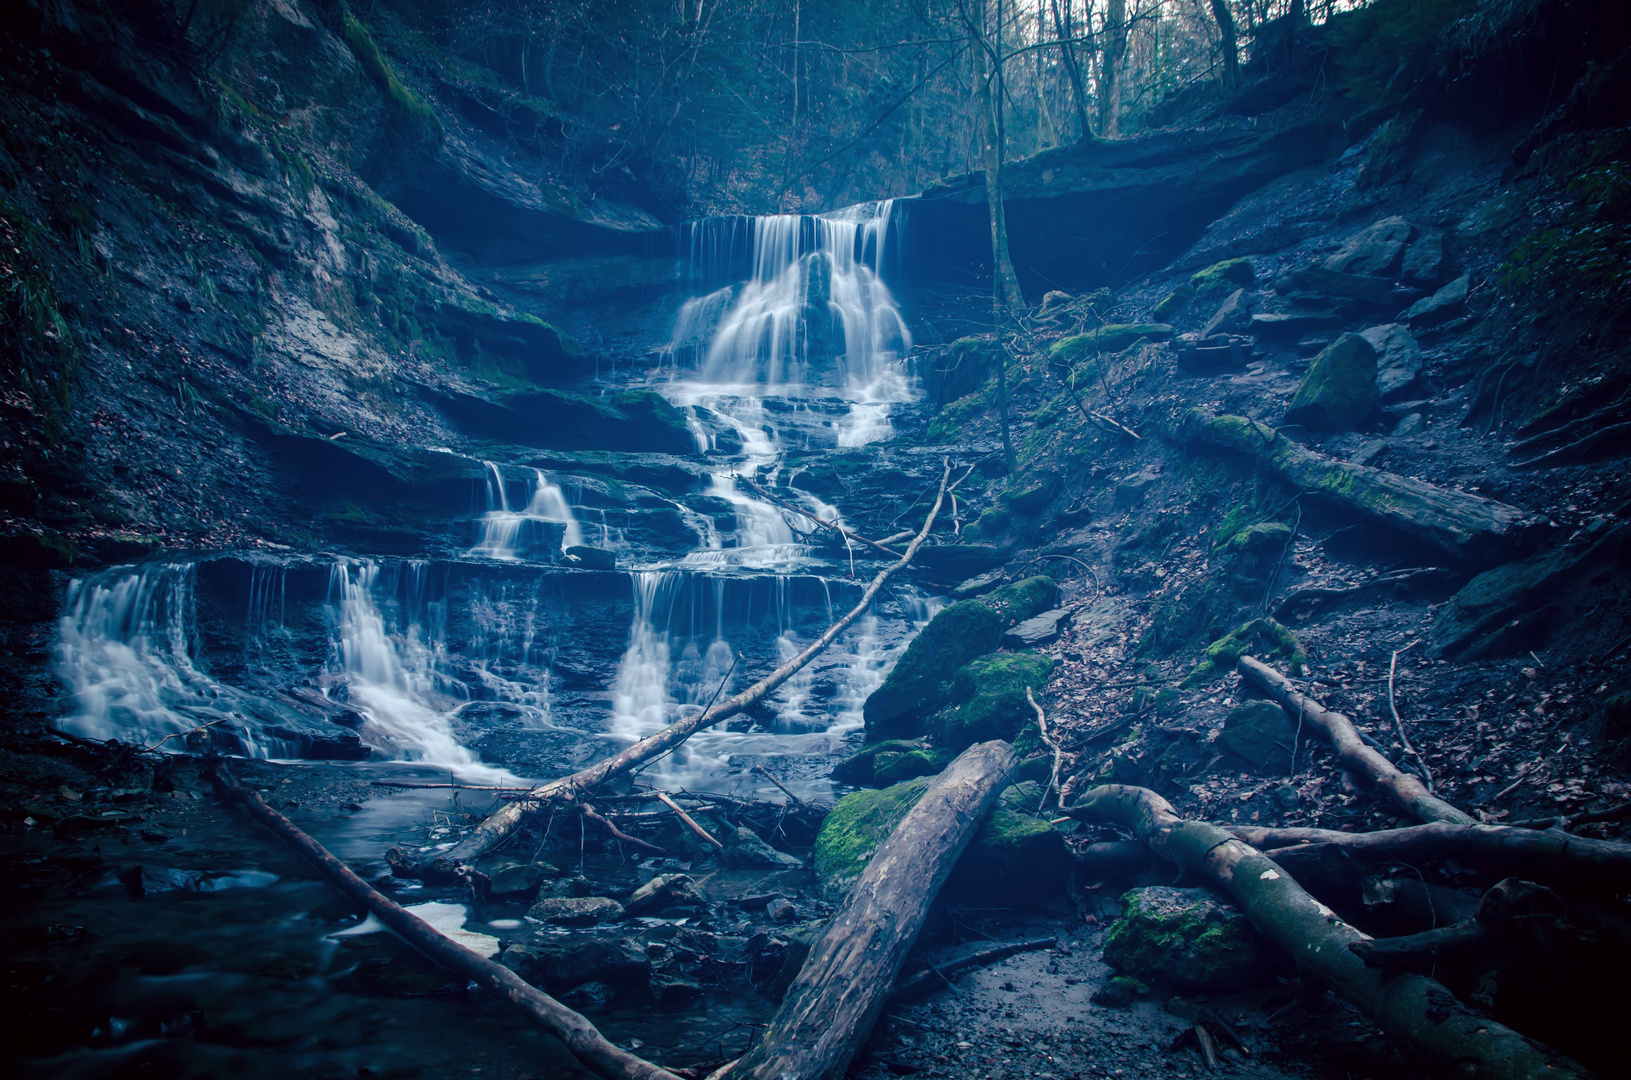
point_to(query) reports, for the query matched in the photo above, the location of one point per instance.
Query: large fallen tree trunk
(504, 821)
(1551, 854)
(1422, 1017)
(1470, 527)
(1406, 790)
(837, 995)
(579, 1035)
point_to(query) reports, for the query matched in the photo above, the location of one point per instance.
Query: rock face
(1339, 391)
(1186, 937)
(1377, 250)
(1398, 358)
(1262, 735)
(921, 678)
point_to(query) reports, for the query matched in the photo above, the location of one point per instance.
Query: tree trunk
(504, 821)
(1228, 45)
(1407, 791)
(1418, 1013)
(1005, 294)
(579, 1035)
(1115, 51)
(1078, 93)
(836, 998)
(1469, 527)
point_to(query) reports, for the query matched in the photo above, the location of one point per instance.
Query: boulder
(857, 824)
(557, 963)
(860, 767)
(1442, 306)
(1374, 291)
(1031, 494)
(1262, 735)
(576, 911)
(1265, 536)
(1223, 277)
(1424, 260)
(1174, 302)
(960, 369)
(989, 692)
(1037, 630)
(1130, 489)
(745, 850)
(979, 585)
(1294, 317)
(519, 878)
(922, 677)
(664, 893)
(1234, 314)
(1398, 358)
(958, 561)
(1339, 391)
(894, 768)
(590, 558)
(1187, 937)
(1376, 250)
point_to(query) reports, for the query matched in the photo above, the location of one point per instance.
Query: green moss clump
(990, 691)
(949, 423)
(856, 826)
(1113, 339)
(921, 679)
(408, 103)
(897, 767)
(1264, 536)
(1186, 937)
(1221, 279)
(1174, 302)
(1265, 637)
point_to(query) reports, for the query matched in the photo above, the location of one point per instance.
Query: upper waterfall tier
(809, 306)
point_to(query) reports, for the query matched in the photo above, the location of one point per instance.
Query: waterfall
(508, 535)
(391, 678)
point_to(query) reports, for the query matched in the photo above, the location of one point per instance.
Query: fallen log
(579, 1035)
(1507, 910)
(835, 999)
(1418, 1013)
(1352, 752)
(940, 974)
(1549, 853)
(504, 821)
(1470, 527)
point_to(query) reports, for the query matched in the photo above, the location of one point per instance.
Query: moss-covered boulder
(921, 679)
(1112, 339)
(1339, 391)
(1266, 639)
(1174, 302)
(1262, 736)
(1223, 278)
(989, 698)
(894, 768)
(1262, 537)
(860, 767)
(960, 369)
(1186, 937)
(1032, 492)
(1015, 858)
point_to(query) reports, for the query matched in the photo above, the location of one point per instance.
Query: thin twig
(1398, 723)
(690, 822)
(1047, 740)
(180, 734)
(780, 786)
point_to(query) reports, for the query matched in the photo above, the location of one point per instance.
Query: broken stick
(1419, 1013)
(836, 998)
(1352, 753)
(579, 1035)
(930, 977)
(504, 821)
(689, 821)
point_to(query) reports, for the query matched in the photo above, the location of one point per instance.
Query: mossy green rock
(1174, 302)
(1186, 937)
(989, 692)
(1222, 278)
(1339, 391)
(894, 768)
(1013, 858)
(921, 680)
(860, 767)
(1267, 639)
(1112, 339)
(1264, 536)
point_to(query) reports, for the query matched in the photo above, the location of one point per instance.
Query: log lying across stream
(1406, 790)
(579, 1035)
(1419, 1013)
(1469, 527)
(504, 821)
(834, 1001)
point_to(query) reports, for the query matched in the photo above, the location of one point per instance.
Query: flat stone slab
(1037, 630)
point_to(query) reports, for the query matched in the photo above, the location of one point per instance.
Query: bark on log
(504, 821)
(1470, 527)
(579, 1035)
(1423, 1017)
(837, 995)
(1546, 853)
(1406, 790)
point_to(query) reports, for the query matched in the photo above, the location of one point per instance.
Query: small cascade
(509, 535)
(391, 678)
(125, 645)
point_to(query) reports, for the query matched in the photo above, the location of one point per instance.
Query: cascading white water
(504, 532)
(125, 653)
(391, 679)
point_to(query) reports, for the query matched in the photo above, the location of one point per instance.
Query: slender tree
(1111, 66)
(1228, 42)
